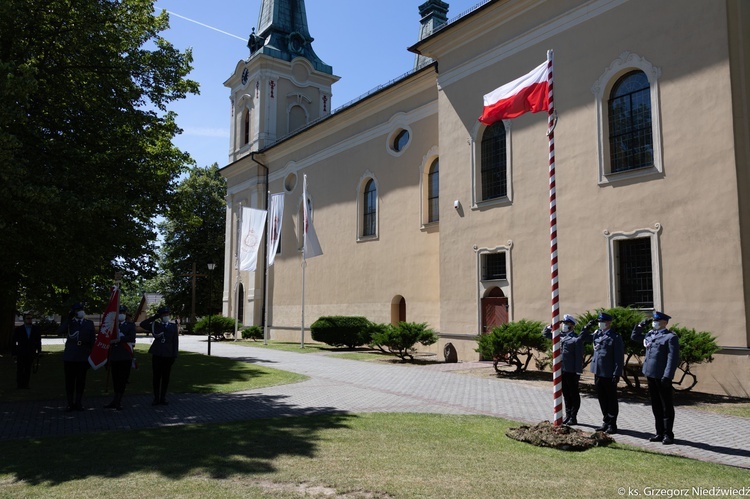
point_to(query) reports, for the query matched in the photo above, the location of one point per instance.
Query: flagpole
(304, 263)
(265, 291)
(556, 353)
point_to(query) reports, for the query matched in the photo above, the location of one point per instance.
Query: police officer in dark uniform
(121, 357)
(163, 351)
(26, 346)
(659, 366)
(571, 353)
(607, 363)
(80, 336)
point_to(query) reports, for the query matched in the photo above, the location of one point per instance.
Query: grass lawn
(288, 346)
(367, 455)
(741, 409)
(192, 373)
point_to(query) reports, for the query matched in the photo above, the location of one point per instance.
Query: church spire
(283, 33)
(434, 14)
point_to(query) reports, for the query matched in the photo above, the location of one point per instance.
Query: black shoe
(572, 421)
(603, 427)
(667, 440)
(79, 407)
(155, 402)
(163, 402)
(611, 430)
(111, 405)
(656, 438)
(69, 408)
(118, 408)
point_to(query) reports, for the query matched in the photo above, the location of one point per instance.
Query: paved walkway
(347, 386)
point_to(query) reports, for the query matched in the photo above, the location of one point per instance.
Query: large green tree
(194, 229)
(86, 158)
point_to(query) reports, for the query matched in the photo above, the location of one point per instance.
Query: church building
(424, 214)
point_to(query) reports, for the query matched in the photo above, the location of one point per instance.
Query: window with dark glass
(433, 192)
(369, 210)
(402, 138)
(631, 143)
(494, 162)
(246, 127)
(493, 266)
(635, 275)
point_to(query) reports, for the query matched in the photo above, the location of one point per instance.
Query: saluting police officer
(121, 357)
(163, 351)
(571, 353)
(659, 366)
(607, 363)
(80, 336)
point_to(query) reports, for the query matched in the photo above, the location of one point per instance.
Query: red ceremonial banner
(107, 331)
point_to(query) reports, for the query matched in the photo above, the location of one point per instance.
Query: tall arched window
(246, 127)
(369, 209)
(494, 171)
(631, 143)
(433, 192)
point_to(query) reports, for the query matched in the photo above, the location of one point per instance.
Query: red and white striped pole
(556, 357)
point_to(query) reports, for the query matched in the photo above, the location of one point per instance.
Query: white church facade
(426, 215)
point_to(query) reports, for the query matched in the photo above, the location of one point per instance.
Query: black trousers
(662, 405)
(162, 369)
(606, 392)
(75, 381)
(120, 370)
(23, 370)
(571, 394)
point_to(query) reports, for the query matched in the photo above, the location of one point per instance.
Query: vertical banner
(275, 216)
(251, 234)
(311, 244)
(108, 330)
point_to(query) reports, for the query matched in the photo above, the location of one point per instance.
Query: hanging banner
(250, 236)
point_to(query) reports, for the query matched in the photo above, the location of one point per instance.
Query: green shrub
(341, 331)
(509, 342)
(219, 325)
(400, 339)
(252, 333)
(48, 327)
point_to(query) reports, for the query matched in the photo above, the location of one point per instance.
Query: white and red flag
(108, 330)
(275, 216)
(527, 94)
(251, 234)
(311, 245)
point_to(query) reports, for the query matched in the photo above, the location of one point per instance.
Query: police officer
(571, 353)
(26, 346)
(609, 356)
(121, 357)
(80, 336)
(659, 366)
(163, 351)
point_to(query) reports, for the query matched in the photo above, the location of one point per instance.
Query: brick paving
(347, 386)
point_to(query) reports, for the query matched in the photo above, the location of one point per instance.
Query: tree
(401, 339)
(511, 341)
(86, 159)
(194, 230)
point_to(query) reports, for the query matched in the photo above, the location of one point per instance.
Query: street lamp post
(211, 267)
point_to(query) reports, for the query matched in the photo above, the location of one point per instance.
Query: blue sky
(364, 41)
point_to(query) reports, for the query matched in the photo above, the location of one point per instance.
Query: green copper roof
(283, 33)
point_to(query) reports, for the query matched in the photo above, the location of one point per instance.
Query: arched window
(369, 209)
(631, 143)
(494, 172)
(402, 138)
(246, 127)
(433, 192)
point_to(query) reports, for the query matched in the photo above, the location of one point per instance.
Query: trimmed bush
(219, 326)
(400, 339)
(252, 333)
(341, 331)
(510, 342)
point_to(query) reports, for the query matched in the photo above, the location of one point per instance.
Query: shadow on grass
(219, 451)
(192, 373)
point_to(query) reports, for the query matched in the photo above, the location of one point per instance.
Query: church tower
(282, 86)
(434, 14)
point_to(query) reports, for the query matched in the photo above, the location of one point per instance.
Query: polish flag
(528, 93)
(107, 331)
